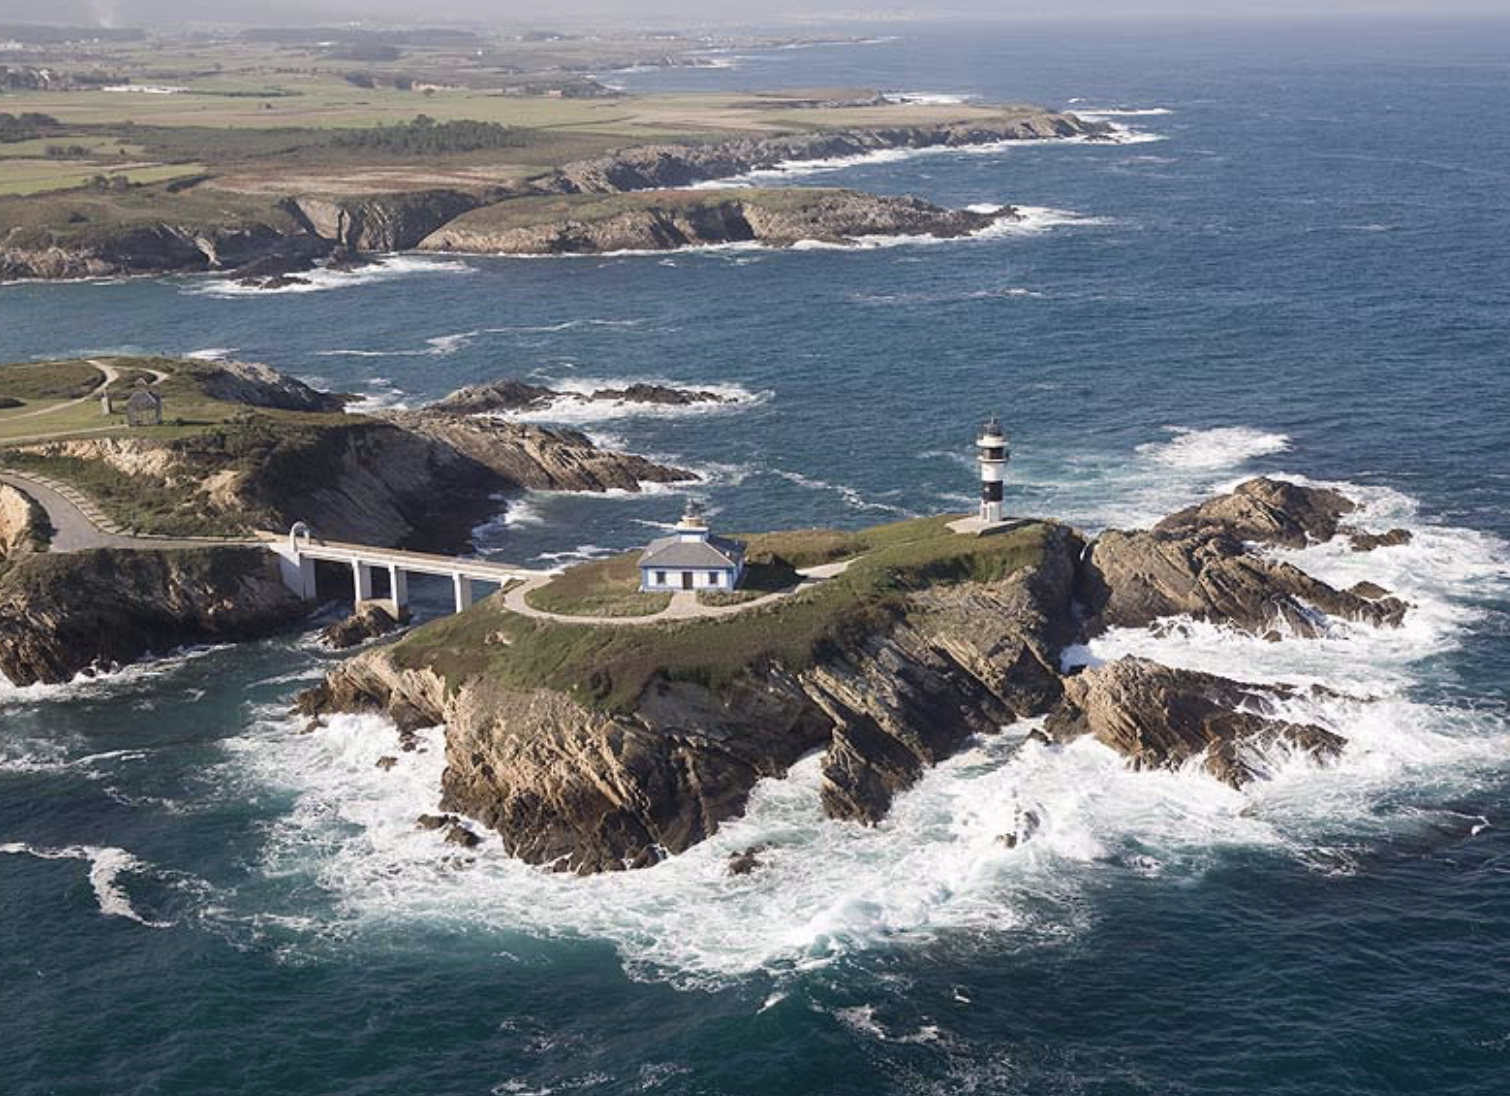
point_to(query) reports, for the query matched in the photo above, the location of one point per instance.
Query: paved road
(75, 531)
(684, 604)
(111, 375)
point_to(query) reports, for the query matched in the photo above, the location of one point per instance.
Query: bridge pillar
(463, 585)
(297, 571)
(361, 573)
(398, 590)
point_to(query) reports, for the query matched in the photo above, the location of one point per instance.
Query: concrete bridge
(79, 525)
(298, 552)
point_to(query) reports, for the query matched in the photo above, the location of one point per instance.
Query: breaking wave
(107, 865)
(570, 409)
(938, 864)
(321, 280)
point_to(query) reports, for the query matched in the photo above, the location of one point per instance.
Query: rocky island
(595, 745)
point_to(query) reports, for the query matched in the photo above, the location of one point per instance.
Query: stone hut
(145, 407)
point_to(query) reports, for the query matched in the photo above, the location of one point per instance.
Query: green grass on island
(606, 588)
(607, 667)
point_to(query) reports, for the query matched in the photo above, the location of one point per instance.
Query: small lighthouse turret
(993, 454)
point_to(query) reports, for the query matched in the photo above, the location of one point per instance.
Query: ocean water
(1293, 264)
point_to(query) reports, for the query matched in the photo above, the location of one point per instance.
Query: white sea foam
(106, 866)
(935, 865)
(1120, 134)
(212, 354)
(852, 496)
(570, 409)
(378, 397)
(1121, 112)
(102, 680)
(320, 280)
(1220, 447)
(826, 889)
(927, 98)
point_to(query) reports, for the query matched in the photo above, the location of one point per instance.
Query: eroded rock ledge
(888, 692)
(63, 614)
(667, 220)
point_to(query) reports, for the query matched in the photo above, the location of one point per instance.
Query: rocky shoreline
(580, 787)
(421, 479)
(670, 220)
(312, 230)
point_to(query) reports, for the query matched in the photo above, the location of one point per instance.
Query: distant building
(145, 407)
(691, 559)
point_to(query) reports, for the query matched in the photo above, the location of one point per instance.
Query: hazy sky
(622, 12)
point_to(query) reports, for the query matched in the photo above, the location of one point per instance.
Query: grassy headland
(608, 667)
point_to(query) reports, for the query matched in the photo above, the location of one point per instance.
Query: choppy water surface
(1294, 266)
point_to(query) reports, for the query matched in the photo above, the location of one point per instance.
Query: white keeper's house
(691, 558)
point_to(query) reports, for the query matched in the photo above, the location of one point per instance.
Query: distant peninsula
(267, 215)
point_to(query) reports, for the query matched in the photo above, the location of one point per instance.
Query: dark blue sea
(1293, 263)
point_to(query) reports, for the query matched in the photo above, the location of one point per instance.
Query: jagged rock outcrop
(370, 621)
(667, 220)
(538, 457)
(1198, 563)
(64, 614)
(258, 385)
(1265, 511)
(513, 395)
(660, 166)
(965, 660)
(1163, 718)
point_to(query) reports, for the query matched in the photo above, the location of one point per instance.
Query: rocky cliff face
(63, 614)
(587, 789)
(23, 526)
(515, 455)
(676, 219)
(385, 222)
(258, 385)
(651, 167)
(591, 790)
(153, 248)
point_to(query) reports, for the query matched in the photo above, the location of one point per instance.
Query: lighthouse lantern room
(993, 454)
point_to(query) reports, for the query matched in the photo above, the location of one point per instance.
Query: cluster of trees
(425, 136)
(26, 127)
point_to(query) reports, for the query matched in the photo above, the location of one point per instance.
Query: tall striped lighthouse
(993, 455)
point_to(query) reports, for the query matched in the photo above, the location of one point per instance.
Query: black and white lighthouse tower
(993, 454)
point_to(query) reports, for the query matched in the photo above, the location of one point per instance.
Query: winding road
(684, 604)
(75, 530)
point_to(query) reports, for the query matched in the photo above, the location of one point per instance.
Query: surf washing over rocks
(937, 864)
